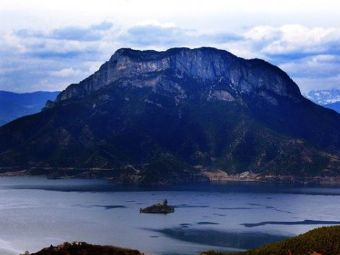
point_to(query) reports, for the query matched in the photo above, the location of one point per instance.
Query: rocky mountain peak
(208, 65)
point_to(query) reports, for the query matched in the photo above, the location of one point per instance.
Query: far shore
(219, 176)
(211, 176)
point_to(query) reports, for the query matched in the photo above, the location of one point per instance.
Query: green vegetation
(325, 241)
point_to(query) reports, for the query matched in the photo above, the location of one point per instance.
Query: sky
(47, 45)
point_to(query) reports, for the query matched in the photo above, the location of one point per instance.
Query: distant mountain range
(15, 105)
(176, 116)
(334, 106)
(329, 98)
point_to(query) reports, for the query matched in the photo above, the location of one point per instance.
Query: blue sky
(47, 45)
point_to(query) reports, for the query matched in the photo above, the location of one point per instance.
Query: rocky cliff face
(204, 65)
(160, 117)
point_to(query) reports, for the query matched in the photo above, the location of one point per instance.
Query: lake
(36, 212)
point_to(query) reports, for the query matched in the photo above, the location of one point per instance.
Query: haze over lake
(36, 212)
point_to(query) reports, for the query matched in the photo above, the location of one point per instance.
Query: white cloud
(55, 57)
(262, 33)
(307, 84)
(65, 72)
(295, 39)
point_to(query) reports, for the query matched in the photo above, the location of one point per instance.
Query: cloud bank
(51, 59)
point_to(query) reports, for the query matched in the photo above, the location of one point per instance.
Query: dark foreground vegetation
(320, 241)
(82, 248)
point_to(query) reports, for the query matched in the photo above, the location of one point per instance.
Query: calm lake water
(36, 212)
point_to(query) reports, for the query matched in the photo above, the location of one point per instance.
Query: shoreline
(209, 177)
(221, 177)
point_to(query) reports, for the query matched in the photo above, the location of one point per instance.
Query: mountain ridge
(14, 105)
(216, 67)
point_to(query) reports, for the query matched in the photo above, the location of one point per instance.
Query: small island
(161, 208)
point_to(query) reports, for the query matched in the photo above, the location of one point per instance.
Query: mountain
(15, 105)
(320, 241)
(174, 116)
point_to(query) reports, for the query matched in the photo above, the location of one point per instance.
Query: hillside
(320, 241)
(172, 116)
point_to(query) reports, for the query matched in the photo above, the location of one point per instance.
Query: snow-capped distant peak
(323, 97)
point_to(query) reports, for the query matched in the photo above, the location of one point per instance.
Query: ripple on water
(207, 223)
(303, 222)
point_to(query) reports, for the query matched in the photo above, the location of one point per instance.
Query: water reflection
(240, 240)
